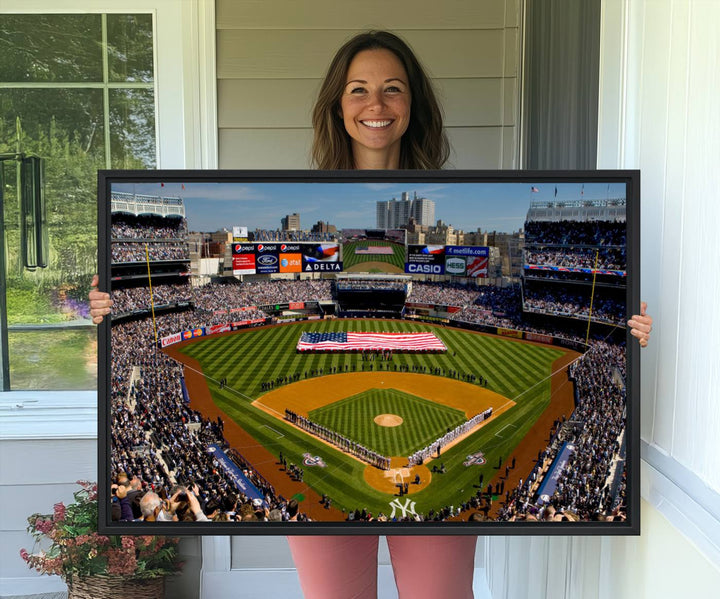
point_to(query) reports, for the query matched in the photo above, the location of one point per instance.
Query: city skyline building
(290, 222)
(393, 214)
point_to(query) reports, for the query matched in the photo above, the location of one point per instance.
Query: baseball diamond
(432, 393)
(423, 420)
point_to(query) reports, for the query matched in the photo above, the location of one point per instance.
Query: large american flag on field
(370, 341)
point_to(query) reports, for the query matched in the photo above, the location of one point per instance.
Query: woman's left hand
(641, 325)
(100, 302)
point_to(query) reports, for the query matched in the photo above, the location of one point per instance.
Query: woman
(377, 110)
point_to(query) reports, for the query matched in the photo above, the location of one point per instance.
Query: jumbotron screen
(369, 352)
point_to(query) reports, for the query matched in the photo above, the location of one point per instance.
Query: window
(77, 90)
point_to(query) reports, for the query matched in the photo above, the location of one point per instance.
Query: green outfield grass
(395, 261)
(423, 421)
(519, 371)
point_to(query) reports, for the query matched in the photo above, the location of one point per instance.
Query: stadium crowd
(369, 285)
(158, 440)
(577, 257)
(219, 296)
(216, 296)
(589, 486)
(123, 252)
(127, 227)
(564, 303)
(573, 232)
(131, 299)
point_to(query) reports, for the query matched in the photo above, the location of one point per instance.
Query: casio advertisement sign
(425, 269)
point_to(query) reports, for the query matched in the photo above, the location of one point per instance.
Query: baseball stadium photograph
(366, 354)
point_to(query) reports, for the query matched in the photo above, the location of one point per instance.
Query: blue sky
(468, 206)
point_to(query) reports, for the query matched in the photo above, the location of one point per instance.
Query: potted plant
(94, 566)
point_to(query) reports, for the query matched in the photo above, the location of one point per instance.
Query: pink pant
(345, 567)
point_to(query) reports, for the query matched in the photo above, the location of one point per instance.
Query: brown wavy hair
(423, 146)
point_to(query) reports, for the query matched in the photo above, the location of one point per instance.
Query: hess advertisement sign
(466, 261)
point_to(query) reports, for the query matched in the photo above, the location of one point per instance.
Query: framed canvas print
(369, 352)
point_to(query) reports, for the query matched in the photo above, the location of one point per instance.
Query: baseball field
(394, 407)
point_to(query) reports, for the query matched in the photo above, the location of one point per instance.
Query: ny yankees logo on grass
(311, 460)
(475, 459)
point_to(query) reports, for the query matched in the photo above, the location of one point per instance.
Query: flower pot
(112, 587)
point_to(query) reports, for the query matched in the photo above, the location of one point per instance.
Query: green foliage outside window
(81, 89)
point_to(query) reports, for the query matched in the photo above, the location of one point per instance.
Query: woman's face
(375, 107)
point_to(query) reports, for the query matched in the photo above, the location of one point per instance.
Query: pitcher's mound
(388, 420)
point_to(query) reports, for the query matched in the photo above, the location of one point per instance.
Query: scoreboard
(308, 257)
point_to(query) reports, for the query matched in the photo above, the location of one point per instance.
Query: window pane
(49, 117)
(130, 47)
(132, 128)
(50, 48)
(65, 128)
(54, 359)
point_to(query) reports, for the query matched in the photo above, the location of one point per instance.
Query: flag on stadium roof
(370, 341)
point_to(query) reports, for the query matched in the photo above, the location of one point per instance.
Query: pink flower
(24, 555)
(43, 526)
(59, 512)
(128, 543)
(54, 565)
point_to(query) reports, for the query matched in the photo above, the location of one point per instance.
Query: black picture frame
(579, 189)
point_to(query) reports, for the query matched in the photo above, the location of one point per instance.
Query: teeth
(376, 123)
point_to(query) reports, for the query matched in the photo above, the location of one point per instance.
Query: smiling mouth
(376, 124)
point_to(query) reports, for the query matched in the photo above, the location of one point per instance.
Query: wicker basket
(112, 587)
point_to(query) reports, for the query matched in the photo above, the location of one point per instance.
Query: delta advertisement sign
(273, 258)
(455, 260)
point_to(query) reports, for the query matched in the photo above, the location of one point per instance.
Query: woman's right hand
(641, 325)
(100, 302)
